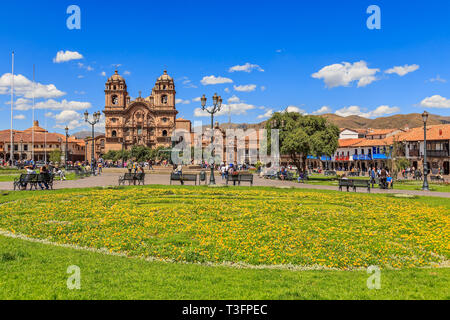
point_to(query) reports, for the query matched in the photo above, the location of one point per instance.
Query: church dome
(165, 77)
(116, 77)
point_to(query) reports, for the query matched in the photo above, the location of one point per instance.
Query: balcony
(414, 153)
(437, 153)
(163, 139)
(342, 158)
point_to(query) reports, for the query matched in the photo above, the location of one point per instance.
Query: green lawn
(303, 230)
(37, 271)
(317, 179)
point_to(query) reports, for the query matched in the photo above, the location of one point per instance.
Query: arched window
(164, 99)
(115, 100)
(114, 133)
(164, 133)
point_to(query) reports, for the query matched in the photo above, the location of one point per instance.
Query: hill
(85, 134)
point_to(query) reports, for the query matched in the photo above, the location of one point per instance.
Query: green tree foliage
(55, 156)
(301, 136)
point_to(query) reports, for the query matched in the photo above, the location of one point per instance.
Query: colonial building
(147, 121)
(44, 143)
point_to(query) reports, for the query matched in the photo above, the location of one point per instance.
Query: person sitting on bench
(44, 172)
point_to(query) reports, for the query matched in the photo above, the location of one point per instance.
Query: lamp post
(67, 153)
(425, 165)
(95, 120)
(21, 149)
(217, 105)
(12, 148)
(60, 149)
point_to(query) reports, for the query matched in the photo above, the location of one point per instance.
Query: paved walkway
(111, 179)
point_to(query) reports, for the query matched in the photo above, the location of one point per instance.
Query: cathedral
(147, 121)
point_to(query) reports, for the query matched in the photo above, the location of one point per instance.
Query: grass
(37, 271)
(317, 179)
(12, 177)
(259, 226)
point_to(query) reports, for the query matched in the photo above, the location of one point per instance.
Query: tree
(55, 155)
(301, 136)
(396, 157)
(140, 153)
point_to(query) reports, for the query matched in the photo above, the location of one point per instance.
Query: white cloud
(62, 56)
(233, 99)
(245, 88)
(248, 67)
(322, 110)
(356, 111)
(295, 109)
(437, 79)
(187, 83)
(236, 108)
(344, 74)
(80, 76)
(103, 74)
(278, 50)
(266, 115)
(127, 73)
(211, 80)
(24, 87)
(82, 66)
(19, 117)
(227, 90)
(67, 115)
(263, 88)
(402, 70)
(181, 101)
(55, 105)
(198, 99)
(435, 101)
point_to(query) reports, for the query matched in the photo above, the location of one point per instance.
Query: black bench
(233, 178)
(127, 177)
(183, 177)
(241, 177)
(437, 179)
(356, 183)
(245, 177)
(345, 183)
(140, 178)
(24, 179)
(45, 178)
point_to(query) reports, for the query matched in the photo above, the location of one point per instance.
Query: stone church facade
(147, 121)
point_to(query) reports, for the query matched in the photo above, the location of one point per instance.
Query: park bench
(345, 183)
(233, 178)
(436, 179)
(245, 177)
(45, 178)
(22, 182)
(140, 178)
(360, 184)
(127, 177)
(183, 177)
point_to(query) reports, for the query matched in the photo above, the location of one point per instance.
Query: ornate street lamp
(217, 105)
(67, 153)
(21, 149)
(425, 165)
(95, 120)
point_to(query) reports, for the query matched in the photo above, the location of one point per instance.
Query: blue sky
(310, 56)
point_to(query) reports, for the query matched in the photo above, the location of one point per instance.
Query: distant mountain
(85, 134)
(398, 121)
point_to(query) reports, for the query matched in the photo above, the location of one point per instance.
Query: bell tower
(164, 92)
(116, 95)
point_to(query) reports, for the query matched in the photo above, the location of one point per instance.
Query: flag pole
(32, 142)
(12, 104)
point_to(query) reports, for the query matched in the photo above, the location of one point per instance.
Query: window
(139, 130)
(115, 100)
(164, 133)
(164, 99)
(165, 120)
(114, 133)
